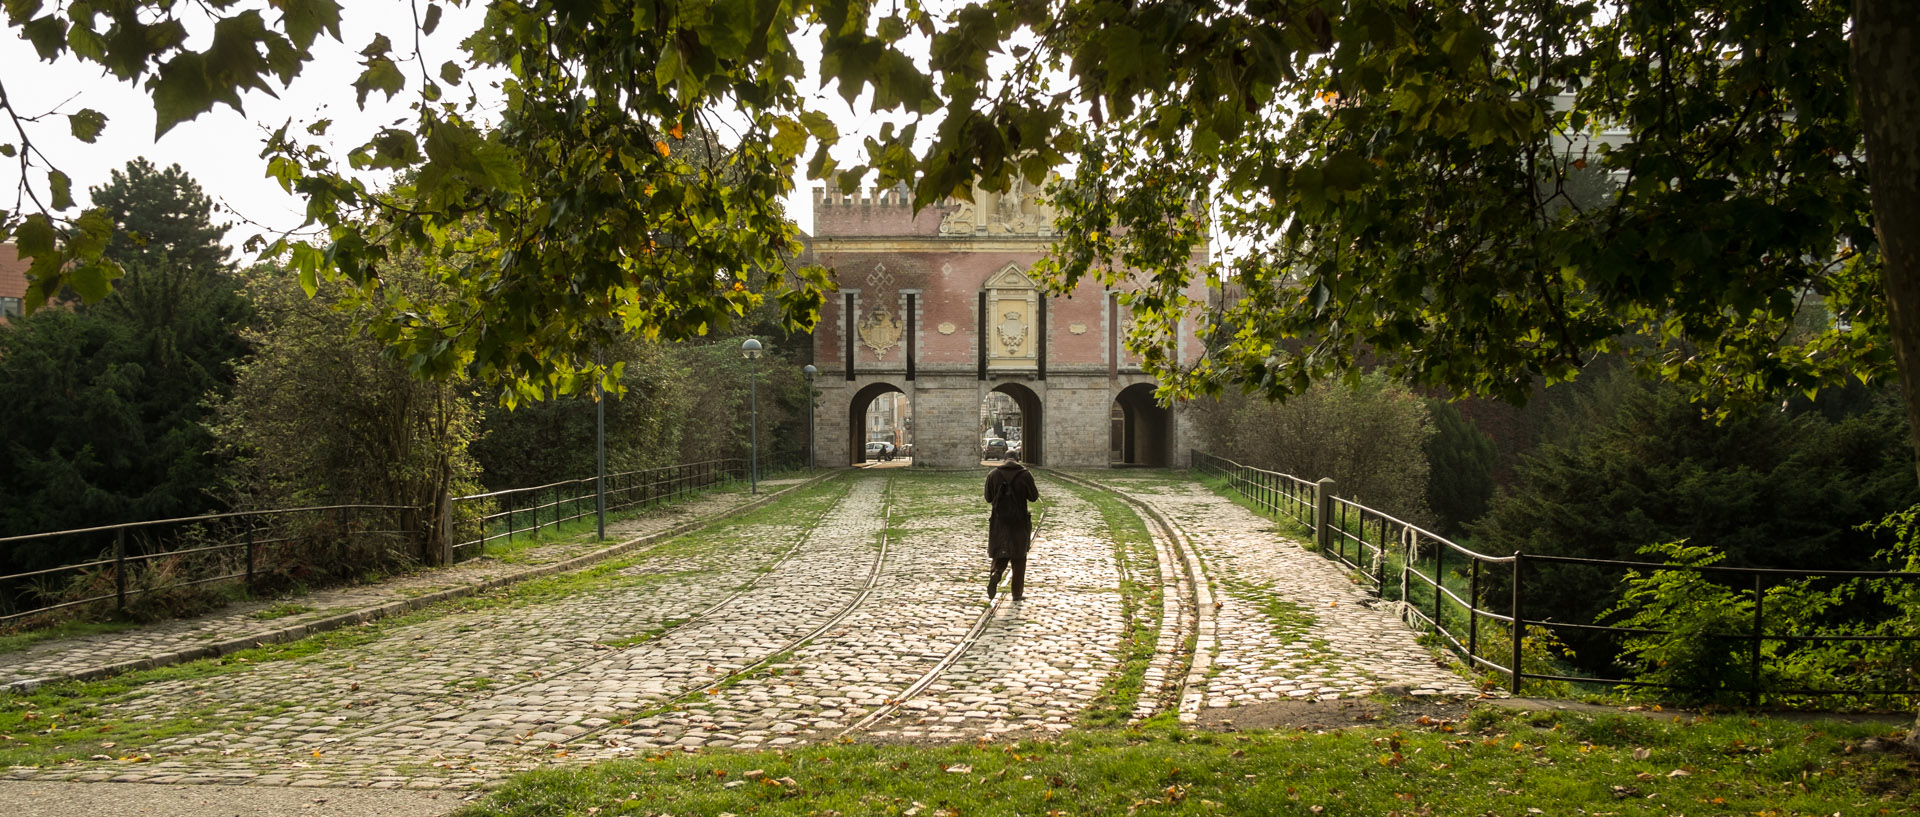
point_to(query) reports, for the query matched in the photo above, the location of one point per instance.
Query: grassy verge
(1140, 599)
(1500, 763)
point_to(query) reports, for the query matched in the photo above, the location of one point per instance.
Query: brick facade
(915, 283)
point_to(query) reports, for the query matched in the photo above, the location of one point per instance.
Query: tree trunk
(1886, 81)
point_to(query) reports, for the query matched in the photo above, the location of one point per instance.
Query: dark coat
(1010, 537)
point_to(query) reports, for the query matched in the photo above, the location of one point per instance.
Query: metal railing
(142, 558)
(137, 559)
(1273, 491)
(525, 511)
(1398, 560)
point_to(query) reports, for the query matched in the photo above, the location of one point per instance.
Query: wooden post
(120, 567)
(1519, 624)
(1323, 513)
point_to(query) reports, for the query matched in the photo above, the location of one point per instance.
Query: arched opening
(1010, 422)
(1142, 428)
(880, 425)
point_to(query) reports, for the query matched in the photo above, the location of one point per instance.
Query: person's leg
(1019, 577)
(993, 581)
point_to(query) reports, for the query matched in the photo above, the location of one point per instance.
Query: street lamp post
(751, 349)
(810, 371)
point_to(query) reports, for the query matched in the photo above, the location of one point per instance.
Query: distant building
(13, 281)
(938, 308)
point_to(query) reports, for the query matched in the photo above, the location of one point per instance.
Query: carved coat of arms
(1013, 332)
(880, 330)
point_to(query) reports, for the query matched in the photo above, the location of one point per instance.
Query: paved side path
(1323, 642)
(238, 626)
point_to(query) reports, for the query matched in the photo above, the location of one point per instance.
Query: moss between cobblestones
(1140, 599)
(1606, 764)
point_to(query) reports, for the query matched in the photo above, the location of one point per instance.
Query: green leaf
(94, 280)
(180, 92)
(433, 19)
(48, 35)
(34, 236)
(304, 20)
(62, 189)
(92, 230)
(87, 124)
(667, 71)
(381, 75)
(452, 73)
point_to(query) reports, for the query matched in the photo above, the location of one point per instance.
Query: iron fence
(1447, 590)
(137, 559)
(525, 511)
(1274, 492)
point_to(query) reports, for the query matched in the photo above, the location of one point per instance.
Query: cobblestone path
(856, 606)
(254, 619)
(1289, 624)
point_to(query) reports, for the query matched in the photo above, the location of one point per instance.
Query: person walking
(1010, 530)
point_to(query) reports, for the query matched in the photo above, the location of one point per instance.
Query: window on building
(10, 307)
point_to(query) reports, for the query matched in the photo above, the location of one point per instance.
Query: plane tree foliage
(1390, 177)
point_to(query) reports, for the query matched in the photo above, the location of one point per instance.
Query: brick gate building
(939, 306)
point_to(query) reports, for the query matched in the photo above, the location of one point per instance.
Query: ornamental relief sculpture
(1012, 332)
(1018, 211)
(880, 330)
(1012, 323)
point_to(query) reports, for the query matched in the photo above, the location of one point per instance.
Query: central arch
(1032, 430)
(860, 431)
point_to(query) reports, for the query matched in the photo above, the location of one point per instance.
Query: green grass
(1559, 764)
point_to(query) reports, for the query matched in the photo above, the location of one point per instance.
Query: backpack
(1011, 505)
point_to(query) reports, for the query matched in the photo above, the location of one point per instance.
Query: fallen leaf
(1642, 754)
(960, 768)
(1679, 773)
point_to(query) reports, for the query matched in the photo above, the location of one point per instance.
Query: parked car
(879, 451)
(993, 449)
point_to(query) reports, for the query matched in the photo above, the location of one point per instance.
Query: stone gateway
(939, 306)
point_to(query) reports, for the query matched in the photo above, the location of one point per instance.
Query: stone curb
(402, 606)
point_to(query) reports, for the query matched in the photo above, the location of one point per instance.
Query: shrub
(1367, 435)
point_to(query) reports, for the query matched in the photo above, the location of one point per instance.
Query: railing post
(1439, 576)
(1473, 613)
(1323, 512)
(1519, 623)
(120, 568)
(509, 499)
(1759, 621)
(250, 582)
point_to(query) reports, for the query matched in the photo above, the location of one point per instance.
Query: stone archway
(1142, 428)
(858, 428)
(1032, 436)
